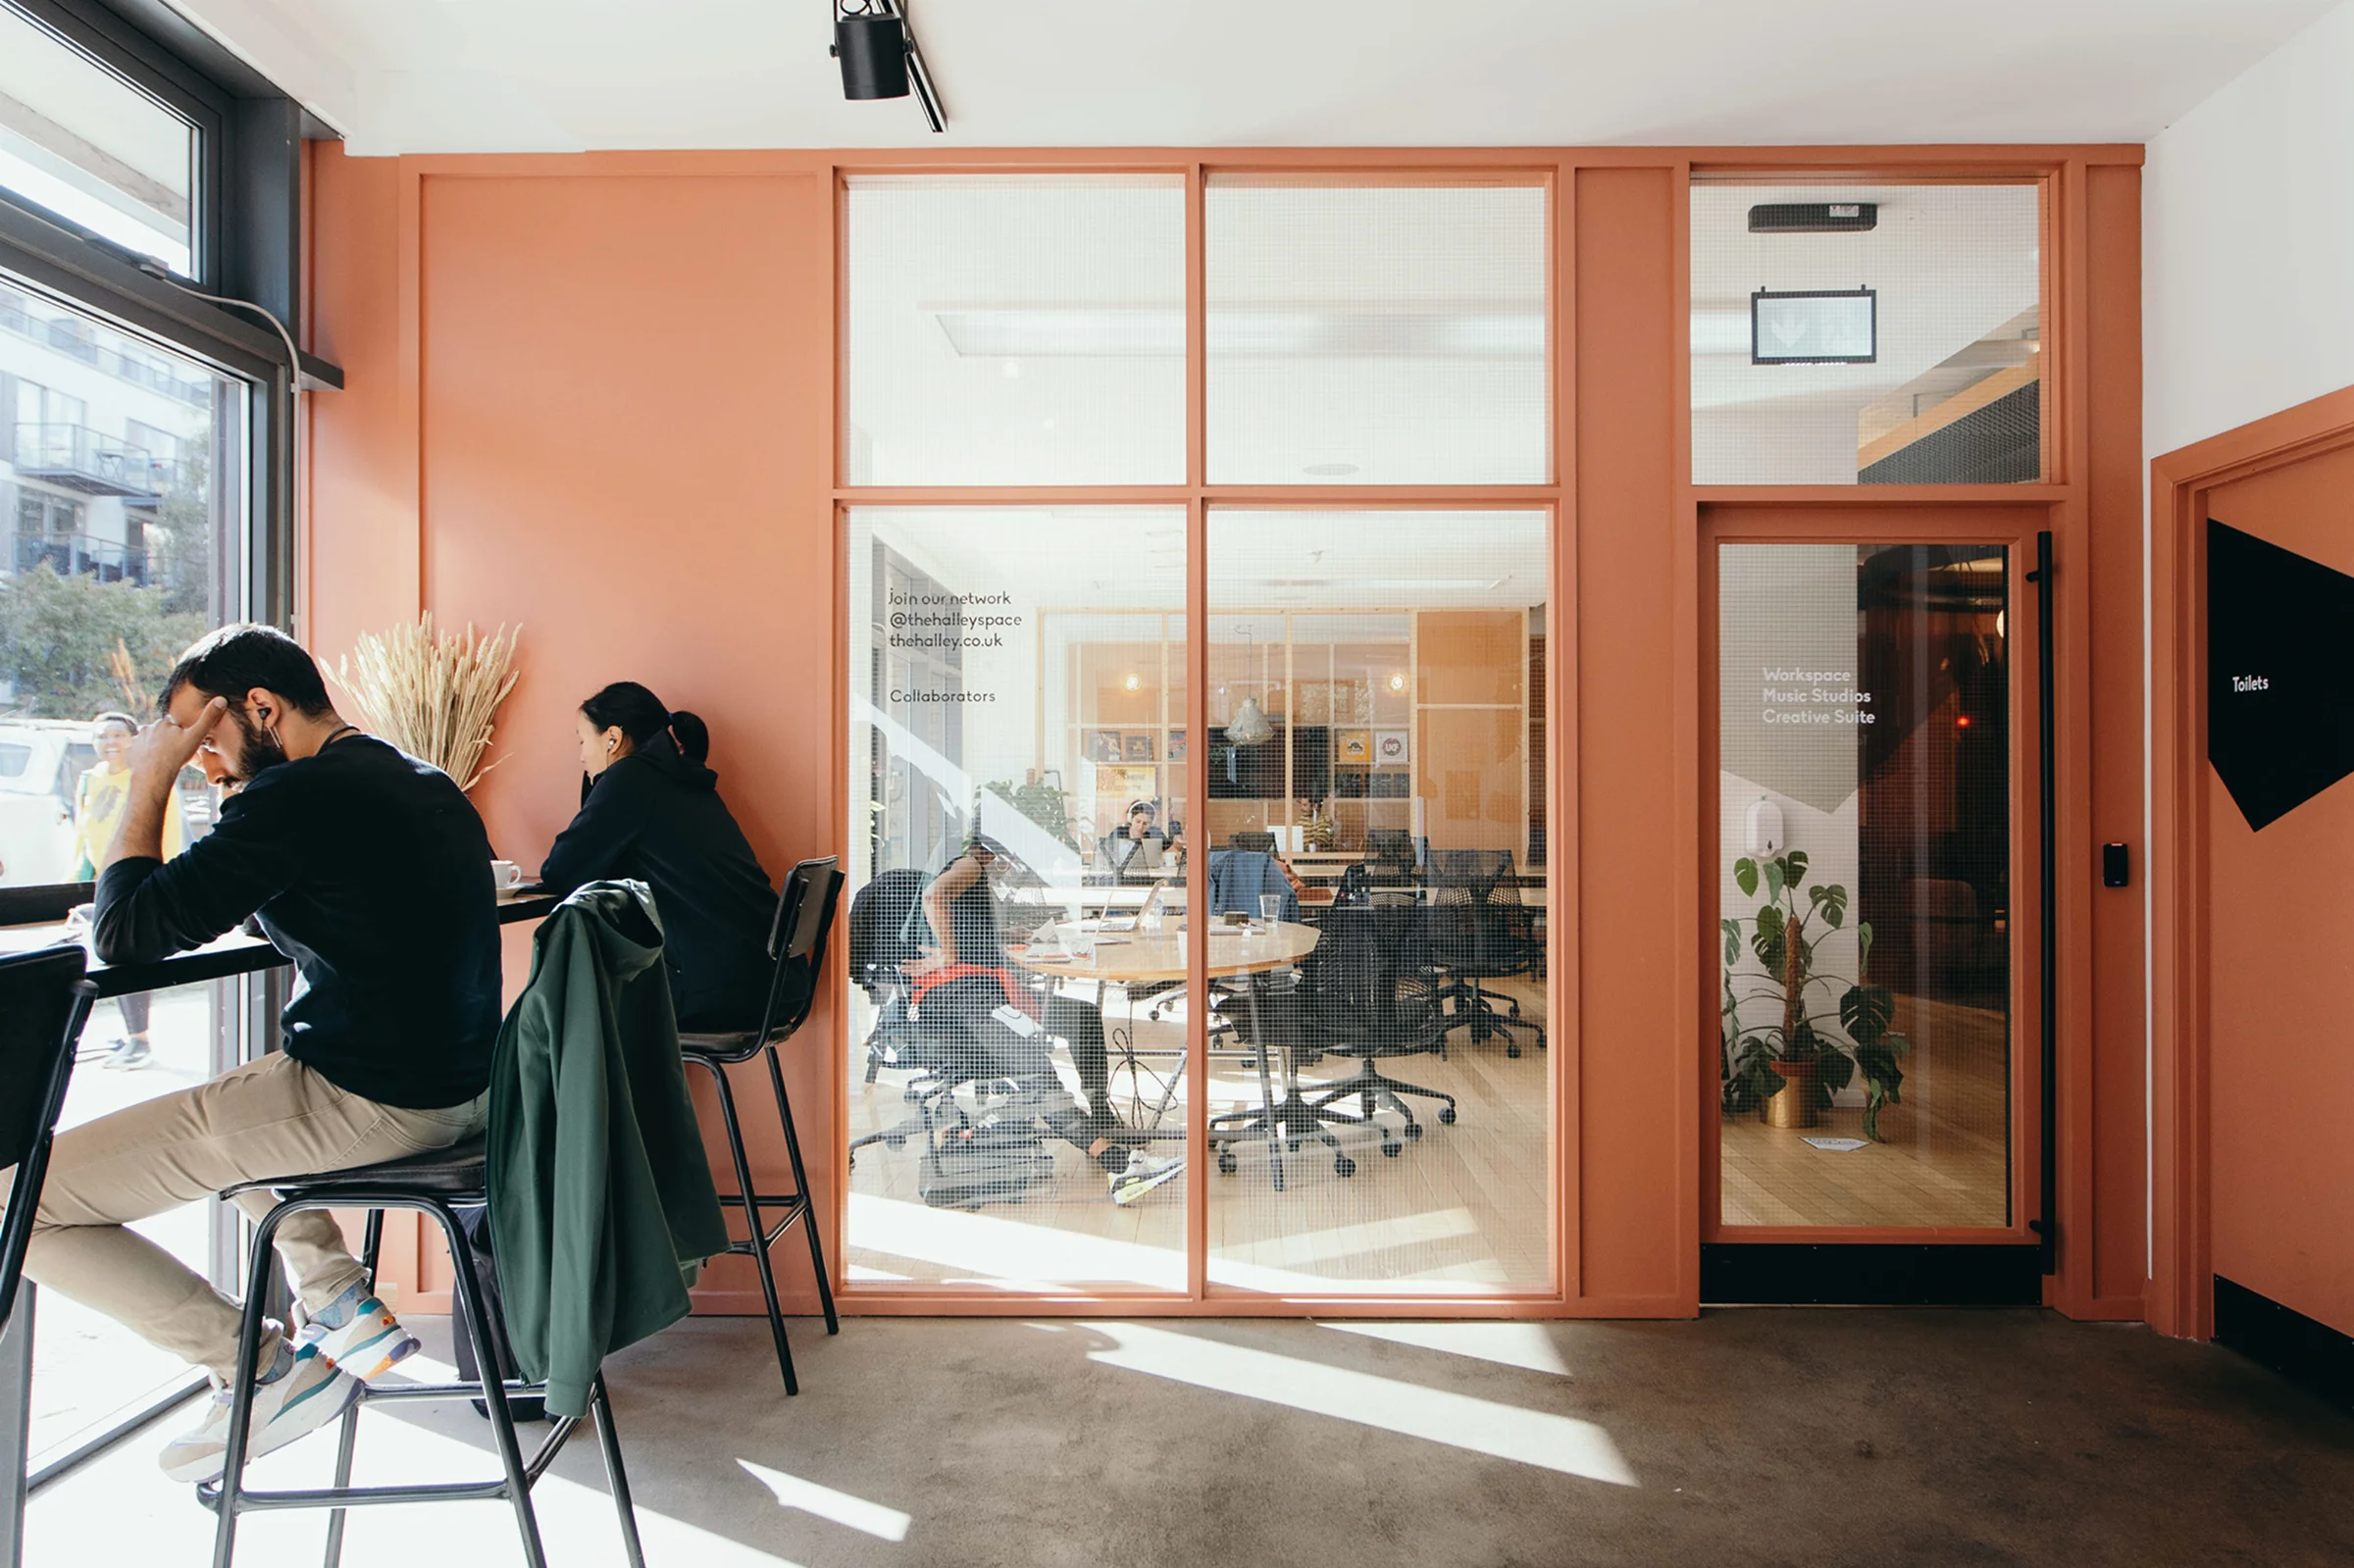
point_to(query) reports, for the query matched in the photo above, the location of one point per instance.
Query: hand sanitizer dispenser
(1764, 829)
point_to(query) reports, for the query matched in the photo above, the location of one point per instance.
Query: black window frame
(245, 243)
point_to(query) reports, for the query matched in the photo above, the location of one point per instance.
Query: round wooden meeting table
(1149, 957)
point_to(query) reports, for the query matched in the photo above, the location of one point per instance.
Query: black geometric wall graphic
(2279, 674)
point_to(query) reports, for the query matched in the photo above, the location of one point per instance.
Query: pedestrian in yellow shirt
(99, 804)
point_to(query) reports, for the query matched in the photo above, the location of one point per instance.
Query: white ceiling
(563, 76)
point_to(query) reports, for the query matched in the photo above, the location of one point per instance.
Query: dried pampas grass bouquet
(432, 695)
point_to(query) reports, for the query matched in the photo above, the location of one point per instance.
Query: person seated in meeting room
(98, 802)
(650, 811)
(369, 870)
(967, 983)
(1138, 850)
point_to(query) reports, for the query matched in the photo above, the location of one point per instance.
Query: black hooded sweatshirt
(655, 817)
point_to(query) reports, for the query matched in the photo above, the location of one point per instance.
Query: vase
(1796, 1103)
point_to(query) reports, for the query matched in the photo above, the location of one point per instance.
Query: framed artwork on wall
(1389, 747)
(1137, 746)
(1351, 746)
(1176, 746)
(1104, 745)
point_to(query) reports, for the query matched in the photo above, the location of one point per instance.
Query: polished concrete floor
(1815, 1437)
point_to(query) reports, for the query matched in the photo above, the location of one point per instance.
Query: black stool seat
(737, 1045)
(453, 1174)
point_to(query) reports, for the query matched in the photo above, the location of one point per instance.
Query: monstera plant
(1825, 1034)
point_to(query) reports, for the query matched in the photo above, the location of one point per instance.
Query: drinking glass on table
(1270, 910)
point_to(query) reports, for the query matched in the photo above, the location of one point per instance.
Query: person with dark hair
(650, 812)
(966, 984)
(1131, 852)
(370, 870)
(98, 801)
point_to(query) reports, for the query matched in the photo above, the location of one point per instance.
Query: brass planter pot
(1796, 1105)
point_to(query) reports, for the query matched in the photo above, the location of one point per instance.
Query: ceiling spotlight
(875, 45)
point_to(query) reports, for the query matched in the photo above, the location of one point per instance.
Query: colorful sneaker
(368, 1346)
(311, 1395)
(1144, 1174)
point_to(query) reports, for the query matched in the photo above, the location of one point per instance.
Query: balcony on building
(74, 457)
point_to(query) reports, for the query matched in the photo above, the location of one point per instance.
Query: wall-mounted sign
(1815, 326)
(2280, 679)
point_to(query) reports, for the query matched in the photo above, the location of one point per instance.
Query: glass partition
(1858, 334)
(1018, 827)
(1866, 896)
(1015, 329)
(1377, 331)
(1380, 1090)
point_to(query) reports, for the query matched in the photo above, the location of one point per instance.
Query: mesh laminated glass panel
(1015, 329)
(1380, 1089)
(1865, 894)
(1866, 334)
(86, 144)
(1371, 333)
(1018, 762)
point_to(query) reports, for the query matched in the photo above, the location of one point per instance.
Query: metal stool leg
(347, 1440)
(495, 1394)
(240, 1407)
(617, 1475)
(754, 1226)
(800, 1189)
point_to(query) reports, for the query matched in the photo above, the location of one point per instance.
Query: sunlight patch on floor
(1562, 1443)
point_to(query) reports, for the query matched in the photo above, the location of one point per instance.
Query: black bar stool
(797, 940)
(43, 1003)
(438, 1184)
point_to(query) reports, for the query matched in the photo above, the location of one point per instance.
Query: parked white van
(41, 763)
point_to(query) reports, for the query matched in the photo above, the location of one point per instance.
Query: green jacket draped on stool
(602, 1205)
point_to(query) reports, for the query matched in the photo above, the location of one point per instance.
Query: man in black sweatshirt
(371, 870)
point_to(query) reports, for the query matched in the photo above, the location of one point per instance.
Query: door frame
(2182, 1291)
(1896, 1263)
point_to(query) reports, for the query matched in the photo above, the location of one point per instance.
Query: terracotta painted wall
(588, 406)
(594, 395)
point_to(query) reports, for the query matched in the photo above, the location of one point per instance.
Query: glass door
(1874, 891)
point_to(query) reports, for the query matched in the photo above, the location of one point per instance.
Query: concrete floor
(1816, 1437)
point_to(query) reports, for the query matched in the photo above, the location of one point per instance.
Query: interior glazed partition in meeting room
(1356, 508)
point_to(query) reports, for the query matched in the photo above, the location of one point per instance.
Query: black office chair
(1362, 999)
(1389, 857)
(885, 917)
(1264, 842)
(886, 924)
(438, 1185)
(1479, 931)
(44, 1001)
(796, 942)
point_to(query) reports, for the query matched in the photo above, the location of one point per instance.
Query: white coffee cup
(505, 876)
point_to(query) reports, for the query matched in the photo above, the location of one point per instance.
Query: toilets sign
(1792, 695)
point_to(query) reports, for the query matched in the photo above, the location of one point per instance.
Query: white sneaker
(368, 1347)
(1144, 1174)
(311, 1395)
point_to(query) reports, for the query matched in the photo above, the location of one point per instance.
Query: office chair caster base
(1413, 1129)
(1227, 1163)
(1447, 1113)
(1342, 1165)
(1513, 1048)
(1393, 1149)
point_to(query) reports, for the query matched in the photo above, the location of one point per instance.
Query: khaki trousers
(270, 1117)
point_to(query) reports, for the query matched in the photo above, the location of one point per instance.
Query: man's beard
(256, 749)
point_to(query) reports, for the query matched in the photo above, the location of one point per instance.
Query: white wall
(2248, 243)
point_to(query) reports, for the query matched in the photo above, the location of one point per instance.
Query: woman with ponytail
(650, 811)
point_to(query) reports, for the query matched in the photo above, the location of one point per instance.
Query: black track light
(879, 58)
